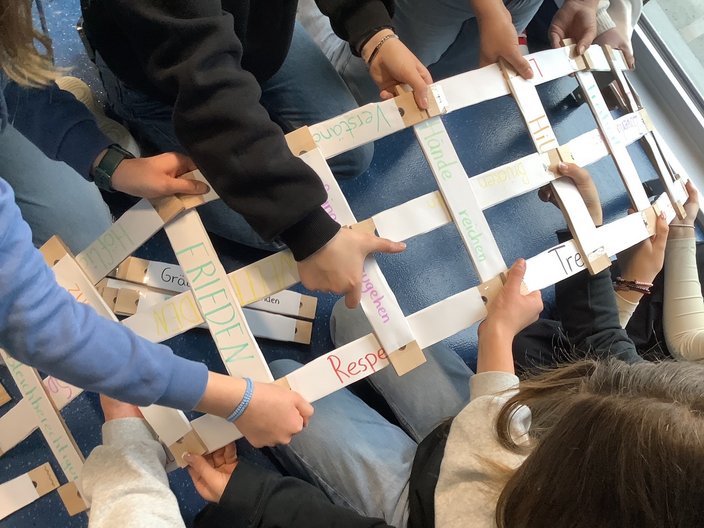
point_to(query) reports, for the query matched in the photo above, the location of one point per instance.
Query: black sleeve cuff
(310, 234)
(366, 20)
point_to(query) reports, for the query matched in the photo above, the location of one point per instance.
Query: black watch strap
(102, 174)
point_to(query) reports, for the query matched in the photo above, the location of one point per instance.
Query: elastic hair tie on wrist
(242, 407)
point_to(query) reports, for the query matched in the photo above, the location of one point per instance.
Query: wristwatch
(102, 174)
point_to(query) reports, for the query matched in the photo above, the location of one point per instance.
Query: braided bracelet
(378, 46)
(621, 284)
(242, 407)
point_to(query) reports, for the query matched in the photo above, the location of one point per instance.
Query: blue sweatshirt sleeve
(58, 124)
(43, 326)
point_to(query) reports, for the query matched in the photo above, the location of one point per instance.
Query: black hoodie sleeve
(258, 498)
(190, 53)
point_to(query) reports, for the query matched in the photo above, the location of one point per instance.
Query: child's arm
(124, 479)
(615, 21)
(42, 325)
(508, 313)
(248, 496)
(498, 37)
(683, 310)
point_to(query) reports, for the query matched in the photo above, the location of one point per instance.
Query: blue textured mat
(433, 267)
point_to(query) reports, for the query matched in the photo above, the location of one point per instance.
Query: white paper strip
(16, 425)
(264, 277)
(215, 432)
(57, 436)
(16, 494)
(623, 161)
(216, 298)
(169, 425)
(285, 302)
(465, 210)
(127, 234)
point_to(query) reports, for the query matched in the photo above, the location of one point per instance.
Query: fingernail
(424, 101)
(402, 245)
(563, 167)
(187, 457)
(202, 188)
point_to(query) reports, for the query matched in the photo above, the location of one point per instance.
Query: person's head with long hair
(19, 57)
(611, 445)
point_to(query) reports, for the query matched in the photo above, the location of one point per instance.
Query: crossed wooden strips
(216, 298)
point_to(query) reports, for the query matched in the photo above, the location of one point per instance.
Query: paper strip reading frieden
(216, 298)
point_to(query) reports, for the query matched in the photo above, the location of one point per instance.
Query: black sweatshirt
(207, 58)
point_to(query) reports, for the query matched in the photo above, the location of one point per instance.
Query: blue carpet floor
(433, 267)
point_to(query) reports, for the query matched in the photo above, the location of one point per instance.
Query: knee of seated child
(353, 163)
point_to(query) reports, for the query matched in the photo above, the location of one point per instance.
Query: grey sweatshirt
(462, 497)
(125, 481)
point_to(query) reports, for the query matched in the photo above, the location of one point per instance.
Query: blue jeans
(427, 27)
(54, 198)
(355, 455)
(305, 91)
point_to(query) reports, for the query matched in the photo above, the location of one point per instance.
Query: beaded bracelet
(621, 284)
(376, 49)
(242, 407)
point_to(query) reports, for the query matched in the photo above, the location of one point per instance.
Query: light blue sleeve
(43, 326)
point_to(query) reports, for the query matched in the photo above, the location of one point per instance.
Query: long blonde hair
(19, 57)
(612, 445)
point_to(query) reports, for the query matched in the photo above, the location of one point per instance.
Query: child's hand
(511, 311)
(585, 185)
(211, 473)
(691, 208)
(499, 40)
(644, 261)
(156, 176)
(395, 64)
(274, 415)
(576, 19)
(613, 38)
(337, 266)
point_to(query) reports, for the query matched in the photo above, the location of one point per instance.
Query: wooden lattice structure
(216, 298)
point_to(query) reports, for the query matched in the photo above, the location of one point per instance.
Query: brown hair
(19, 58)
(611, 445)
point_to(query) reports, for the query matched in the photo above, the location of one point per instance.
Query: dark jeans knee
(351, 164)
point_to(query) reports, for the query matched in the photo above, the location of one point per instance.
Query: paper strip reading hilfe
(566, 193)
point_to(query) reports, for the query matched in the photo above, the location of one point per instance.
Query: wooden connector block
(300, 141)
(167, 207)
(44, 479)
(191, 443)
(646, 119)
(407, 358)
(409, 111)
(132, 269)
(72, 499)
(303, 332)
(307, 307)
(54, 250)
(126, 302)
(4, 396)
